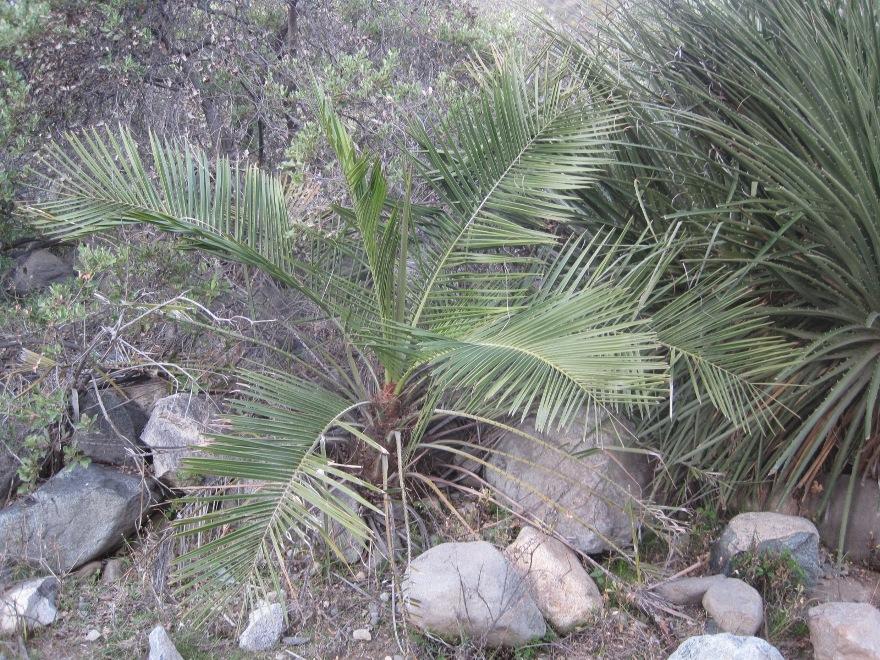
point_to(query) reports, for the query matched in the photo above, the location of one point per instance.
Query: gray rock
(29, 605)
(362, 635)
(768, 532)
(861, 543)
(470, 590)
(591, 501)
(844, 631)
(93, 635)
(725, 646)
(112, 438)
(563, 591)
(687, 590)
(265, 625)
(177, 427)
(161, 646)
(734, 606)
(80, 514)
(35, 271)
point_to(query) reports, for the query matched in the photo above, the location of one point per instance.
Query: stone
(112, 436)
(296, 640)
(29, 605)
(470, 590)
(844, 631)
(592, 501)
(861, 543)
(35, 271)
(768, 532)
(161, 646)
(265, 625)
(727, 647)
(734, 606)
(563, 591)
(687, 590)
(362, 635)
(78, 515)
(177, 427)
(93, 635)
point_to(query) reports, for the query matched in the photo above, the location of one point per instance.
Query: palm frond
(289, 487)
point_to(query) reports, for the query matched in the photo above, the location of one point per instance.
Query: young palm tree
(472, 311)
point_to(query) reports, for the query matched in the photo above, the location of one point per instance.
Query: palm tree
(469, 312)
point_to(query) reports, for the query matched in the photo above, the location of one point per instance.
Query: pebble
(362, 635)
(93, 635)
(384, 596)
(296, 640)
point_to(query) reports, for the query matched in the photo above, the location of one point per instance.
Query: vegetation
(675, 219)
(749, 128)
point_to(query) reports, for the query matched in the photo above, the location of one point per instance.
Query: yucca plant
(472, 311)
(755, 125)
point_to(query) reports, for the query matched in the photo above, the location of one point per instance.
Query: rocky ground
(97, 542)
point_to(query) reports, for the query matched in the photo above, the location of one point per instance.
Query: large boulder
(470, 590)
(725, 647)
(581, 483)
(766, 531)
(178, 426)
(265, 625)
(561, 588)
(35, 271)
(29, 605)
(80, 514)
(844, 631)
(734, 606)
(112, 436)
(861, 542)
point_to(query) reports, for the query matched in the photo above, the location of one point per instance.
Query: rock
(112, 571)
(112, 438)
(93, 635)
(845, 631)
(595, 496)
(35, 271)
(687, 590)
(29, 605)
(563, 591)
(177, 427)
(768, 532)
(265, 625)
(161, 646)
(471, 590)
(362, 635)
(80, 514)
(861, 543)
(725, 646)
(296, 640)
(735, 606)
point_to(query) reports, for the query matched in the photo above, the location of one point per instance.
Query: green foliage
(781, 581)
(752, 131)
